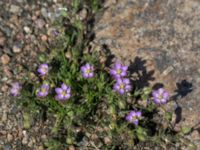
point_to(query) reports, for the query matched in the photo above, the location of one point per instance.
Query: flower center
(63, 93)
(119, 71)
(160, 97)
(134, 118)
(122, 86)
(43, 90)
(88, 71)
(44, 69)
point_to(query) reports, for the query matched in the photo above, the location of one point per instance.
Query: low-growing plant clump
(87, 96)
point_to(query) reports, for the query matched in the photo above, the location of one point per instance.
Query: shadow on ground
(141, 76)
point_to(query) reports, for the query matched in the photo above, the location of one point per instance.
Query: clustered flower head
(87, 71)
(122, 85)
(134, 117)
(118, 70)
(43, 91)
(15, 90)
(43, 69)
(63, 92)
(160, 96)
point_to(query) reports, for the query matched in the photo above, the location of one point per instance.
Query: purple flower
(63, 93)
(134, 117)
(118, 70)
(160, 96)
(43, 91)
(122, 85)
(55, 32)
(87, 71)
(43, 69)
(15, 90)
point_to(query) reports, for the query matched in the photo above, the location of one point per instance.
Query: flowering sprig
(43, 91)
(63, 93)
(118, 70)
(122, 85)
(43, 69)
(134, 117)
(160, 96)
(15, 89)
(87, 71)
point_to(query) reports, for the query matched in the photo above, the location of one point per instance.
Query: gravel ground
(25, 31)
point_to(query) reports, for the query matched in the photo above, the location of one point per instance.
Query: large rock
(162, 37)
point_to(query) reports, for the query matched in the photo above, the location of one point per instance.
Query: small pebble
(30, 144)
(40, 148)
(2, 40)
(27, 29)
(7, 71)
(107, 140)
(16, 49)
(34, 18)
(168, 70)
(4, 88)
(4, 117)
(195, 135)
(5, 59)
(25, 138)
(9, 137)
(44, 38)
(20, 36)
(40, 23)
(24, 141)
(15, 9)
(44, 137)
(71, 147)
(83, 14)
(44, 12)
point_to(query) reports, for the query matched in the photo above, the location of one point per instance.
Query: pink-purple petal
(44, 65)
(123, 73)
(68, 91)
(119, 81)
(155, 94)
(58, 90)
(60, 96)
(85, 75)
(126, 81)
(116, 87)
(165, 95)
(132, 113)
(138, 114)
(157, 101)
(83, 69)
(117, 65)
(112, 72)
(136, 122)
(128, 87)
(124, 68)
(121, 91)
(87, 66)
(91, 74)
(129, 118)
(41, 94)
(163, 100)
(64, 86)
(67, 96)
(160, 91)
